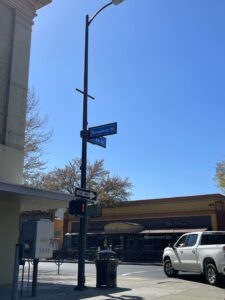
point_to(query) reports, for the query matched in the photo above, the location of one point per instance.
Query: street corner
(171, 289)
(185, 289)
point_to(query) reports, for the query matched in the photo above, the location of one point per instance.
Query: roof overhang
(32, 198)
(145, 232)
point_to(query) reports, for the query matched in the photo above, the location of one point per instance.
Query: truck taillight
(223, 248)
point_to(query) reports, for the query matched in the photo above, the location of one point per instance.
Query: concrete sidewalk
(129, 288)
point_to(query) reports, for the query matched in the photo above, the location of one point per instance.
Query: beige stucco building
(16, 20)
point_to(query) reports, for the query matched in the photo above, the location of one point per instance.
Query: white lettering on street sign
(90, 195)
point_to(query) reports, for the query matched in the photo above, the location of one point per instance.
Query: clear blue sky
(157, 67)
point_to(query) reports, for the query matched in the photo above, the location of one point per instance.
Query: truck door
(176, 254)
(188, 254)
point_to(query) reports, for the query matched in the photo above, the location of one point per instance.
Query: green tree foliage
(111, 189)
(36, 136)
(220, 175)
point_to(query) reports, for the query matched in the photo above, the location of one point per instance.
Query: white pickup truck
(199, 252)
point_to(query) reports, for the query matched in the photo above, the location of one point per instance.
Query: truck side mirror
(171, 245)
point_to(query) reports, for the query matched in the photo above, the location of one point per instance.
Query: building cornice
(40, 3)
(148, 216)
(27, 8)
(207, 197)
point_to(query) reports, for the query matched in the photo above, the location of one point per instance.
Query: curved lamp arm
(98, 12)
(115, 2)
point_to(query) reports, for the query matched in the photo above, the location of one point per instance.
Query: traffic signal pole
(84, 133)
(84, 136)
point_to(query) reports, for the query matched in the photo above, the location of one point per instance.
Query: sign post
(86, 135)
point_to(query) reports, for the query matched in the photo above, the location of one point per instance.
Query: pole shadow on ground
(61, 291)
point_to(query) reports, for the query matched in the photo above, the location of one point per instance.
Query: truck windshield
(213, 239)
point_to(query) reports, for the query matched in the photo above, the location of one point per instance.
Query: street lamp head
(117, 1)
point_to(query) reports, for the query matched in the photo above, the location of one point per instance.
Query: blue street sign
(102, 130)
(100, 141)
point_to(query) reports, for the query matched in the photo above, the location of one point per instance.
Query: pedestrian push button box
(37, 239)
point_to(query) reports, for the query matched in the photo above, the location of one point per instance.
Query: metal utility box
(37, 239)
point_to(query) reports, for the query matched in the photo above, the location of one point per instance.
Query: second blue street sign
(102, 130)
(100, 141)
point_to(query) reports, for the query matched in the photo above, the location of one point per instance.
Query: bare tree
(220, 175)
(110, 189)
(62, 179)
(36, 136)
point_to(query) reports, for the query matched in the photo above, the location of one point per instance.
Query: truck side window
(191, 240)
(181, 242)
(213, 239)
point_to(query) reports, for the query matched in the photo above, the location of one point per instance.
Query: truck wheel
(168, 269)
(211, 274)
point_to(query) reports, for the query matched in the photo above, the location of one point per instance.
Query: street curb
(120, 262)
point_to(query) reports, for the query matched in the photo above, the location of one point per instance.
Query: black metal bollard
(59, 262)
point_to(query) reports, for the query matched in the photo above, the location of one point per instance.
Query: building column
(9, 232)
(220, 214)
(16, 19)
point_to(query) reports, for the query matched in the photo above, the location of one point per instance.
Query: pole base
(80, 288)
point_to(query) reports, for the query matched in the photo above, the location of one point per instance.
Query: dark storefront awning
(155, 231)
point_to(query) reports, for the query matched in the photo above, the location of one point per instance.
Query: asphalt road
(134, 282)
(70, 269)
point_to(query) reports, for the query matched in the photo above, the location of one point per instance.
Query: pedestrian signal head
(77, 207)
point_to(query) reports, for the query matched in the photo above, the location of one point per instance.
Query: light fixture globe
(117, 1)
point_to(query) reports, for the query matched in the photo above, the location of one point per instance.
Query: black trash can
(106, 269)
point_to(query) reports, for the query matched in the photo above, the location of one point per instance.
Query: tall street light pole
(84, 136)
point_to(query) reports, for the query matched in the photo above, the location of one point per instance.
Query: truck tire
(168, 269)
(211, 274)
